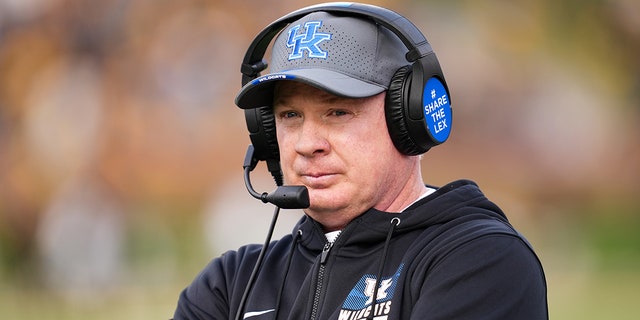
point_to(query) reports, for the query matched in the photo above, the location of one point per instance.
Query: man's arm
(206, 296)
(215, 293)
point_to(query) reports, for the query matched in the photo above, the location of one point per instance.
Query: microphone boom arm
(285, 197)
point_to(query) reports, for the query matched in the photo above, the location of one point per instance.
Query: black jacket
(453, 255)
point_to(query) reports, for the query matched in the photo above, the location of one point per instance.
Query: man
(375, 241)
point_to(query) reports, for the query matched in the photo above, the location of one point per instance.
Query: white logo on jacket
(382, 290)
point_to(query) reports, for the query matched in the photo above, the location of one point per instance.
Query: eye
(288, 114)
(340, 113)
(289, 118)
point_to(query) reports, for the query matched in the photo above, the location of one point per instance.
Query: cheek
(372, 140)
(376, 158)
(287, 151)
(284, 141)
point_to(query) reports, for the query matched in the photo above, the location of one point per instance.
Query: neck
(411, 189)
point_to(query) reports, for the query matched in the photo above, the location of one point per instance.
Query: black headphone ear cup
(396, 110)
(262, 132)
(269, 123)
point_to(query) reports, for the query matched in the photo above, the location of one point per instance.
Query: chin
(323, 200)
(322, 206)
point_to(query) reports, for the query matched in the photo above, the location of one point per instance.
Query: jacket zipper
(319, 284)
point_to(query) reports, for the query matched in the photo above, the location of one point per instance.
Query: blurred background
(121, 149)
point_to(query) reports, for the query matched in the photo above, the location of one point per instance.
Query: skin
(340, 149)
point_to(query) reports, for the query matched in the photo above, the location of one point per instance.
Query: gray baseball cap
(343, 55)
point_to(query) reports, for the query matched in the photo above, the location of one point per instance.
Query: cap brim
(259, 92)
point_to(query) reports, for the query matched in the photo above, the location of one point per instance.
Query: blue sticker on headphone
(437, 110)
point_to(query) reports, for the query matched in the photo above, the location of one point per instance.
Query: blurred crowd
(105, 105)
(109, 105)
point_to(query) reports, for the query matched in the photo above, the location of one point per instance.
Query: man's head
(342, 106)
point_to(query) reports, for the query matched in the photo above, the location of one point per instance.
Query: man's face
(340, 149)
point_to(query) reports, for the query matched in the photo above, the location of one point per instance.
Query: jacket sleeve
(206, 296)
(496, 276)
(216, 291)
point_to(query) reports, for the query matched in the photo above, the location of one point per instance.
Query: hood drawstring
(294, 245)
(394, 223)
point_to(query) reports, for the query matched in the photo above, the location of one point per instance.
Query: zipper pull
(325, 252)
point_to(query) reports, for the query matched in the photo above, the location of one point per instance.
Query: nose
(312, 138)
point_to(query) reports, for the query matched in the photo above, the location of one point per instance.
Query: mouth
(318, 180)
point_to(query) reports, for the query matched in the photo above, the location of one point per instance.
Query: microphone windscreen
(289, 197)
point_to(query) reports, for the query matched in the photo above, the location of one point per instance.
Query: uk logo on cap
(308, 41)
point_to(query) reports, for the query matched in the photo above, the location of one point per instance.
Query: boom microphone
(285, 197)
